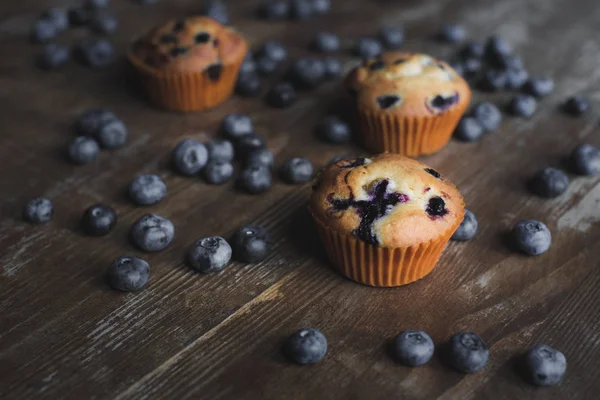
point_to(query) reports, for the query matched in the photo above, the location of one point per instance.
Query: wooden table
(65, 334)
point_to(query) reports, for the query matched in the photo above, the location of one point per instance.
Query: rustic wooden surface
(65, 334)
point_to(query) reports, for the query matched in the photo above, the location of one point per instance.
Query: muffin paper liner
(187, 91)
(381, 266)
(409, 136)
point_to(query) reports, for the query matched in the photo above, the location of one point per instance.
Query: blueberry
(147, 189)
(297, 170)
(488, 115)
(255, 179)
(307, 73)
(496, 49)
(261, 157)
(452, 33)
(98, 220)
(413, 348)
(220, 150)
(216, 10)
(302, 9)
(83, 150)
(585, 160)
(522, 105)
(249, 144)
(472, 49)
(95, 4)
(38, 210)
(493, 80)
(468, 353)
(112, 134)
(43, 31)
(248, 85)
(248, 65)
(334, 130)
(471, 67)
(539, 87)
(516, 78)
(236, 126)
(275, 9)
(549, 182)
(251, 244)
(79, 16)
(468, 130)
(128, 274)
(326, 42)
(273, 50)
(467, 228)
(152, 233)
(392, 37)
(576, 105)
(266, 66)
(306, 346)
(96, 53)
(53, 56)
(90, 122)
(321, 6)
(333, 68)
(367, 47)
(104, 23)
(544, 366)
(58, 17)
(218, 172)
(189, 157)
(282, 95)
(531, 237)
(508, 61)
(209, 254)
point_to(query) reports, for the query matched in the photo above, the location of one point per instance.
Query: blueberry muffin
(385, 220)
(407, 103)
(189, 64)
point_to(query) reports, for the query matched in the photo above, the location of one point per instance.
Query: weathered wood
(65, 334)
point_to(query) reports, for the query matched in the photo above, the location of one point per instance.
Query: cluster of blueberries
(466, 352)
(277, 10)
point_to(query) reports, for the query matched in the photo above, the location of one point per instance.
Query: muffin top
(388, 200)
(408, 83)
(189, 45)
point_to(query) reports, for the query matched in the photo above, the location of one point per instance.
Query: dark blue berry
(38, 210)
(281, 95)
(58, 16)
(334, 130)
(273, 50)
(531, 237)
(307, 73)
(297, 170)
(576, 105)
(468, 353)
(251, 244)
(452, 33)
(248, 85)
(472, 49)
(321, 6)
(236, 126)
(220, 150)
(508, 61)
(43, 31)
(104, 23)
(89, 122)
(516, 78)
(98, 220)
(248, 144)
(112, 134)
(433, 173)
(128, 274)
(488, 115)
(436, 207)
(326, 42)
(468, 130)
(522, 105)
(266, 66)
(392, 37)
(306, 346)
(217, 10)
(189, 157)
(539, 87)
(301, 9)
(585, 160)
(152, 233)
(493, 80)
(261, 157)
(471, 67)
(147, 189)
(53, 56)
(255, 179)
(333, 67)
(544, 366)
(413, 348)
(218, 172)
(467, 228)
(367, 47)
(496, 49)
(275, 9)
(96, 53)
(96, 4)
(83, 150)
(549, 182)
(248, 65)
(210, 254)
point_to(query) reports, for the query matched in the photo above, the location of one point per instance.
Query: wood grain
(64, 334)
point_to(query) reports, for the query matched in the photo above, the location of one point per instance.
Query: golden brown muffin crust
(387, 200)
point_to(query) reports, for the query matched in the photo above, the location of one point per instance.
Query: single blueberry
(326, 42)
(544, 366)
(273, 50)
(275, 9)
(83, 150)
(468, 353)
(522, 105)
(531, 237)
(112, 134)
(306, 346)
(549, 182)
(217, 10)
(248, 85)
(189, 157)
(434, 173)
(333, 130)
(104, 23)
(413, 348)
(251, 244)
(467, 228)
(495, 51)
(516, 78)
(89, 122)
(367, 47)
(488, 115)
(248, 65)
(468, 130)
(98, 220)
(53, 56)
(38, 210)
(302, 9)
(471, 67)
(539, 86)
(307, 73)
(392, 37)
(236, 126)
(585, 160)
(249, 144)
(255, 179)
(147, 189)
(220, 150)
(152, 233)
(472, 49)
(96, 53)
(333, 67)
(58, 16)
(218, 172)
(128, 274)
(43, 31)
(297, 170)
(436, 207)
(261, 157)
(282, 95)
(576, 105)
(493, 80)
(321, 6)
(388, 101)
(266, 66)
(210, 254)
(452, 33)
